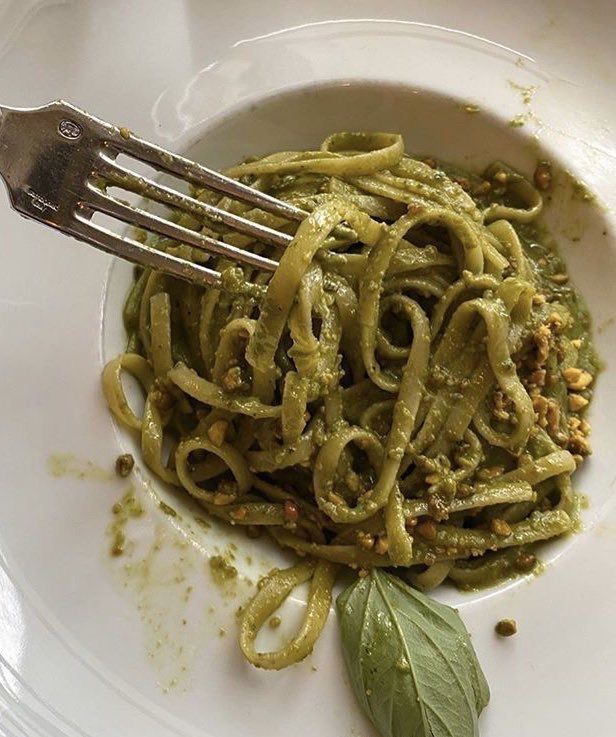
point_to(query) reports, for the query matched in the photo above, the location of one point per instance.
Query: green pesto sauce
(166, 509)
(470, 108)
(66, 464)
(490, 574)
(203, 523)
(518, 121)
(547, 262)
(128, 507)
(223, 572)
(526, 93)
(580, 190)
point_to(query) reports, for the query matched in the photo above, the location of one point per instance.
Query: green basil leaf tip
(410, 659)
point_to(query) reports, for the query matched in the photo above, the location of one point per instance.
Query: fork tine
(109, 205)
(197, 174)
(49, 157)
(126, 179)
(106, 240)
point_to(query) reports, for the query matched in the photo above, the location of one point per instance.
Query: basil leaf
(410, 659)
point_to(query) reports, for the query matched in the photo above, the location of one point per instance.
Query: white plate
(88, 648)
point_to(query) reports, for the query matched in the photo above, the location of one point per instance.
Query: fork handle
(47, 154)
(37, 166)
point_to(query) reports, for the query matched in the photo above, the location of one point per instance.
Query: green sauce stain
(66, 464)
(518, 121)
(162, 571)
(128, 507)
(526, 93)
(166, 509)
(580, 190)
(470, 108)
(222, 571)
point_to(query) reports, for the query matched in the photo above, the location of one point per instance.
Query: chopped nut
(226, 492)
(482, 188)
(578, 442)
(124, 464)
(335, 499)
(381, 546)
(290, 511)
(576, 343)
(365, 540)
(500, 527)
(561, 438)
(539, 299)
(160, 395)
(221, 498)
(489, 472)
(501, 176)
(585, 427)
(555, 322)
(525, 562)
(502, 406)
(542, 337)
(577, 402)
(353, 482)
(572, 374)
(432, 478)
(430, 558)
(552, 417)
(506, 627)
(117, 548)
(362, 573)
(560, 278)
(427, 529)
(231, 379)
(540, 405)
(437, 508)
(537, 378)
(216, 432)
(543, 175)
(577, 379)
(239, 513)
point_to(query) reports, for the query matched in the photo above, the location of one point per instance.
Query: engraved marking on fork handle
(39, 202)
(69, 129)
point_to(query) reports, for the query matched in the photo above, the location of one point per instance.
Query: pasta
(406, 390)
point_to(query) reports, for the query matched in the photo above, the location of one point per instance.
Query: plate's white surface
(87, 649)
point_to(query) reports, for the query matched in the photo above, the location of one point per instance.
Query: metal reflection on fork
(52, 159)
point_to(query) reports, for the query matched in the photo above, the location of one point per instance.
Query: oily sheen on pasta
(406, 390)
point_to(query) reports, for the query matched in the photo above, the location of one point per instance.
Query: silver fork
(53, 158)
